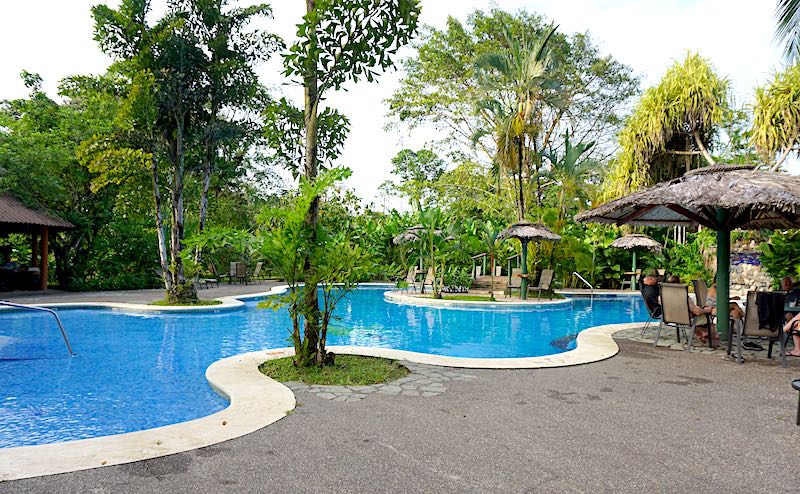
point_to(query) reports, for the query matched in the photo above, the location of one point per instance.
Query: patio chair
(257, 276)
(515, 283)
(756, 328)
(675, 312)
(700, 292)
(653, 311)
(545, 279)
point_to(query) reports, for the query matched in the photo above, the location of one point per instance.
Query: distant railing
(44, 309)
(591, 288)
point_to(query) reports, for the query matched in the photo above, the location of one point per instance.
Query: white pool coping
(408, 299)
(255, 400)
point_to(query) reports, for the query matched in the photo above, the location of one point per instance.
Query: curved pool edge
(593, 345)
(255, 402)
(403, 299)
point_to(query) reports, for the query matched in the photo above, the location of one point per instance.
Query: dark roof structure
(15, 217)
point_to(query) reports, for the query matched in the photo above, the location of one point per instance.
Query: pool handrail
(591, 288)
(44, 309)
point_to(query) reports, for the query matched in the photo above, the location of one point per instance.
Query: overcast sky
(54, 38)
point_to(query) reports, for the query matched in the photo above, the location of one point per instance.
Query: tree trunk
(162, 242)
(521, 181)
(702, 148)
(181, 292)
(311, 300)
(207, 157)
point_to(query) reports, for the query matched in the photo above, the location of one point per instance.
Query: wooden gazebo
(15, 217)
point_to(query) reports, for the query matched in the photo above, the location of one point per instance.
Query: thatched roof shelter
(753, 199)
(415, 233)
(411, 234)
(15, 217)
(720, 197)
(636, 241)
(525, 230)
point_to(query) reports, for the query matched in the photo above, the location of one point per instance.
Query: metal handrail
(44, 309)
(591, 288)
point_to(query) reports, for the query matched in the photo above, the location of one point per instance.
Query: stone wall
(747, 272)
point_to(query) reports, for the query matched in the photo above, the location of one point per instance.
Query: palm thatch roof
(529, 231)
(410, 235)
(751, 200)
(415, 233)
(636, 241)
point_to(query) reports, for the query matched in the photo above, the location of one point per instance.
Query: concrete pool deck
(650, 419)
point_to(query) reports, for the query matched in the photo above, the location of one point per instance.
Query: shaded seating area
(33, 273)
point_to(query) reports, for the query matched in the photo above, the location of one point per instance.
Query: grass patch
(348, 370)
(200, 302)
(469, 298)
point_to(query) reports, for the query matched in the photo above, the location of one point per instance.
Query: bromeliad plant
(302, 253)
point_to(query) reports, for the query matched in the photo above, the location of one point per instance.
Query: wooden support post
(45, 254)
(34, 250)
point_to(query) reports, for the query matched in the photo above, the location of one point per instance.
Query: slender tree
(340, 41)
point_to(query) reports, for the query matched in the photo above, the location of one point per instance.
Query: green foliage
(680, 114)
(284, 133)
(344, 40)
(776, 123)
(781, 255)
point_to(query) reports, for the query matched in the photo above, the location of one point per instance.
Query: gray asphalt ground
(647, 420)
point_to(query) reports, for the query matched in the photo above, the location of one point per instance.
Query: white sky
(54, 38)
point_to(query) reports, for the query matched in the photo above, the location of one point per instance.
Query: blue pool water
(136, 371)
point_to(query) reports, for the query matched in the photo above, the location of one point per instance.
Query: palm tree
(787, 31)
(570, 171)
(488, 237)
(515, 82)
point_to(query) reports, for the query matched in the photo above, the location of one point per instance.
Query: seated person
(700, 333)
(793, 327)
(650, 293)
(792, 294)
(735, 311)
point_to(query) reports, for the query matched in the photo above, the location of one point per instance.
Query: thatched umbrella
(720, 197)
(414, 233)
(525, 232)
(635, 241)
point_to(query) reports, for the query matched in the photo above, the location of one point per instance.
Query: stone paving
(423, 380)
(668, 340)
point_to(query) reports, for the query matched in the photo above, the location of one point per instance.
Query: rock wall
(747, 273)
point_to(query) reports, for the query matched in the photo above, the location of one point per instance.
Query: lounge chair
(514, 283)
(411, 278)
(257, 276)
(216, 274)
(753, 329)
(675, 312)
(545, 279)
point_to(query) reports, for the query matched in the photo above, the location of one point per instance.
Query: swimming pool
(137, 371)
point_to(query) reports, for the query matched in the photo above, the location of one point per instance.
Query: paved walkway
(649, 419)
(129, 296)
